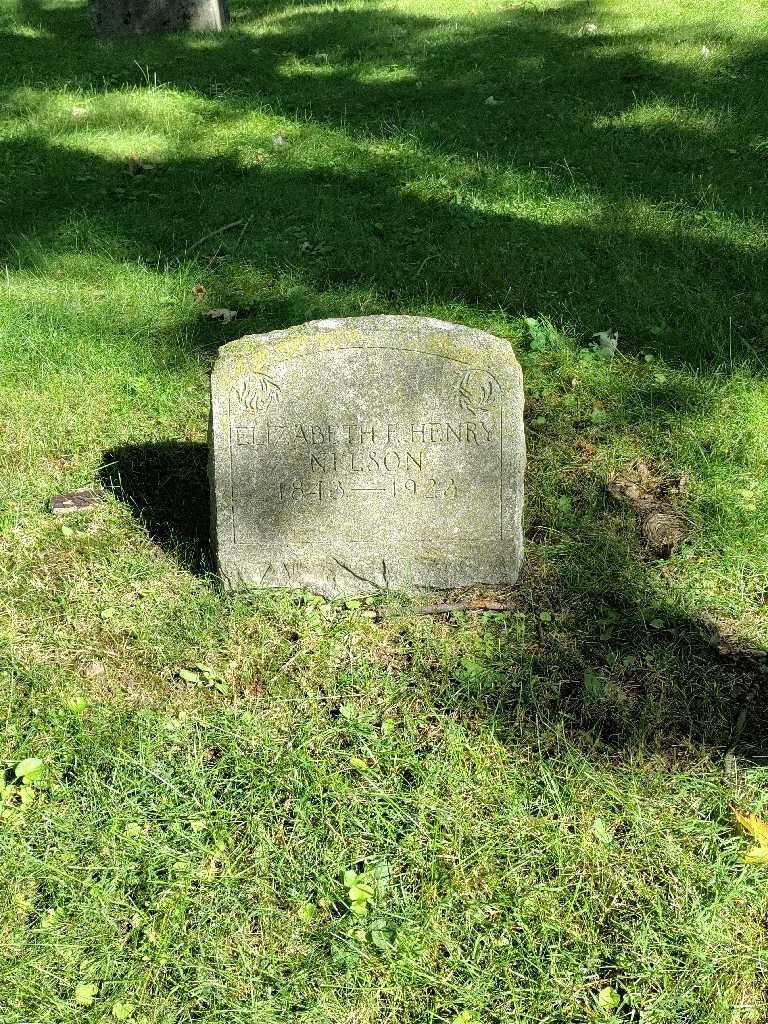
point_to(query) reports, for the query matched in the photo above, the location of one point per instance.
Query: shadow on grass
(596, 133)
(610, 671)
(639, 181)
(166, 487)
(692, 299)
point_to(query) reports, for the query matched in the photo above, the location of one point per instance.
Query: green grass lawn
(364, 814)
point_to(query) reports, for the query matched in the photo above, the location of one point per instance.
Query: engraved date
(430, 489)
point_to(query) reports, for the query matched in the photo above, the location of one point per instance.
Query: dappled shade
(617, 188)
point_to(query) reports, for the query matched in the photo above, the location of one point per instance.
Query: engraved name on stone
(349, 456)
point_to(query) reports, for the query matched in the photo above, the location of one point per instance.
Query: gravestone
(140, 17)
(352, 456)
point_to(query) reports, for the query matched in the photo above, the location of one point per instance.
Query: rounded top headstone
(354, 455)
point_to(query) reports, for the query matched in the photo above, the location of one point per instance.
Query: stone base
(145, 17)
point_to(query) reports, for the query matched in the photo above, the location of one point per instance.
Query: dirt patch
(657, 500)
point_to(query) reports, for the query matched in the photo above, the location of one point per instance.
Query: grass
(537, 801)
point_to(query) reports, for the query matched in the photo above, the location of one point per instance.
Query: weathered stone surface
(140, 17)
(350, 456)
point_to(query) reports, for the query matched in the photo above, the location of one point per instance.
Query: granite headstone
(351, 456)
(140, 17)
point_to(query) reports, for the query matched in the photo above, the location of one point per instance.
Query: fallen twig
(212, 234)
(461, 606)
(244, 228)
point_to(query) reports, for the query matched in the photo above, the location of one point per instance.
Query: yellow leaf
(754, 826)
(756, 855)
(758, 830)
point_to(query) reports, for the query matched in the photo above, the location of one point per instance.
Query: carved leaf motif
(475, 392)
(257, 392)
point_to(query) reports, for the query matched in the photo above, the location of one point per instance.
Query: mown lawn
(534, 804)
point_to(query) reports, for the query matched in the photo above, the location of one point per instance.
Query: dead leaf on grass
(315, 248)
(223, 315)
(136, 165)
(756, 828)
(607, 343)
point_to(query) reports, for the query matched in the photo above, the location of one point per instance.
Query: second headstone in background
(145, 17)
